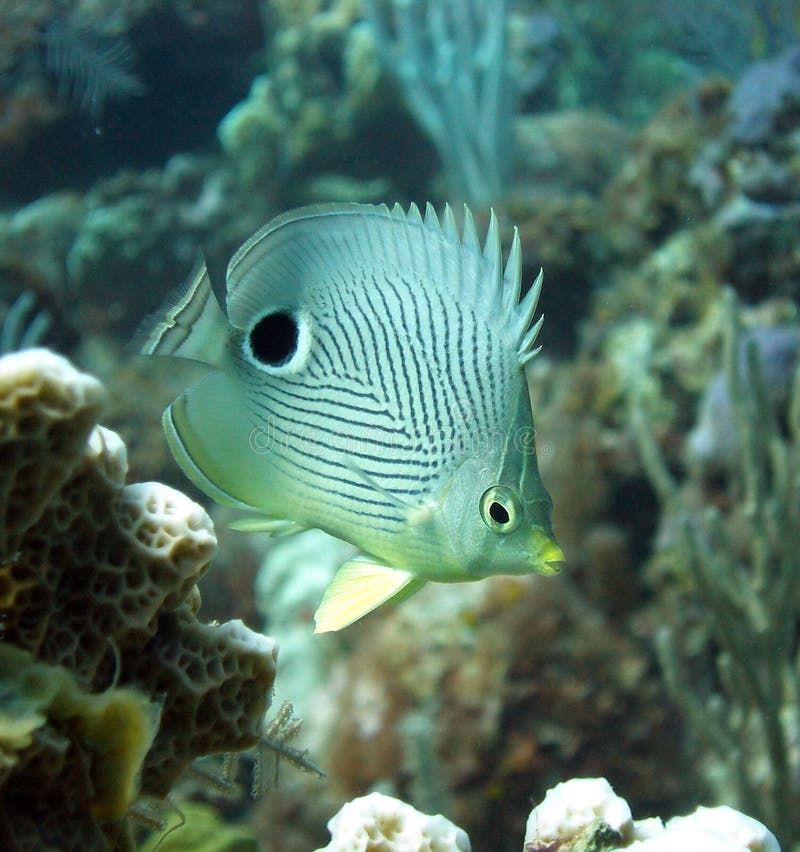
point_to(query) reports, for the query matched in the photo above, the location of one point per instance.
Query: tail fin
(189, 324)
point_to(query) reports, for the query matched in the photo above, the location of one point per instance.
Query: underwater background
(649, 154)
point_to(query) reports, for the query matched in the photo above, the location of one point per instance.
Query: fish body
(368, 381)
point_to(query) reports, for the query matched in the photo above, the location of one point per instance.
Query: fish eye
(273, 339)
(501, 509)
(278, 341)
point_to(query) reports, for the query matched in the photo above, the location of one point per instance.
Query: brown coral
(98, 593)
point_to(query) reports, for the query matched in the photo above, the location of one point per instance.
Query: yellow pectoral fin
(359, 587)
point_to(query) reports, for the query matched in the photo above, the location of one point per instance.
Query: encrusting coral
(110, 684)
(376, 821)
(586, 815)
(579, 815)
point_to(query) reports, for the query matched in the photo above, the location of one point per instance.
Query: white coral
(738, 829)
(166, 523)
(574, 811)
(572, 806)
(379, 823)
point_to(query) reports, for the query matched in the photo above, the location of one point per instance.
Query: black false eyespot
(274, 338)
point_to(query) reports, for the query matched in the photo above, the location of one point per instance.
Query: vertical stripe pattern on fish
(368, 380)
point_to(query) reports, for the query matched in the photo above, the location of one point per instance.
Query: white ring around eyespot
(301, 352)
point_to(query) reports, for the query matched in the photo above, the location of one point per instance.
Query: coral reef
(695, 206)
(20, 330)
(740, 559)
(766, 91)
(48, 724)
(451, 61)
(131, 227)
(114, 686)
(91, 70)
(714, 440)
(314, 110)
(580, 815)
(60, 62)
(467, 701)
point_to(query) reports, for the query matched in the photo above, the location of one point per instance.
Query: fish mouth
(546, 555)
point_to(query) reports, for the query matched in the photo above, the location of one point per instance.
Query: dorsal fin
(189, 324)
(431, 219)
(493, 255)
(469, 235)
(449, 224)
(512, 276)
(316, 245)
(524, 332)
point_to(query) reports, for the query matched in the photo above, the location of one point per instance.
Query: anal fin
(359, 587)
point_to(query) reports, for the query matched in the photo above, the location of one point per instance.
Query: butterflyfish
(367, 379)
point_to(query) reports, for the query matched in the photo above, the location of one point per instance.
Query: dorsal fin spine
(529, 356)
(527, 308)
(530, 336)
(450, 226)
(431, 219)
(469, 235)
(493, 255)
(512, 277)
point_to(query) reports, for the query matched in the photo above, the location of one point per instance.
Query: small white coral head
(108, 454)
(685, 839)
(574, 805)
(741, 831)
(379, 823)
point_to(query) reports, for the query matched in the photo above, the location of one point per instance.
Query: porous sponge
(90, 577)
(47, 410)
(217, 683)
(98, 589)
